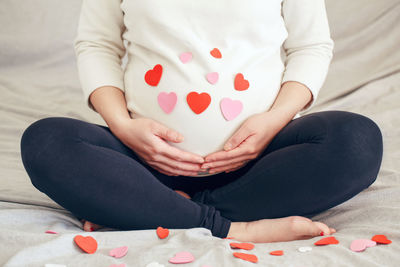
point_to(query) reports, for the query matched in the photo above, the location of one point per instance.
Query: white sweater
(267, 42)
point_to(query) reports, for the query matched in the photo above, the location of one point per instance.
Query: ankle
(237, 230)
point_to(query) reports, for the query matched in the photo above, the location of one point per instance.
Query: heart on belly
(241, 83)
(198, 102)
(230, 108)
(153, 77)
(167, 101)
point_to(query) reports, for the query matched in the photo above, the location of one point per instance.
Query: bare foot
(183, 194)
(89, 226)
(278, 230)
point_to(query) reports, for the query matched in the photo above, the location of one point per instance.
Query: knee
(37, 142)
(361, 139)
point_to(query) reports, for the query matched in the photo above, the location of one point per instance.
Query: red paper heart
(198, 102)
(246, 257)
(246, 246)
(153, 76)
(86, 243)
(381, 239)
(216, 53)
(277, 253)
(327, 241)
(162, 232)
(240, 83)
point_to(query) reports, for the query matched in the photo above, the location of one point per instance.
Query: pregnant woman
(203, 124)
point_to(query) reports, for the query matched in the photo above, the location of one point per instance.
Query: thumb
(168, 134)
(237, 138)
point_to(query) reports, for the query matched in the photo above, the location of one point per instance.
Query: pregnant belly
(205, 109)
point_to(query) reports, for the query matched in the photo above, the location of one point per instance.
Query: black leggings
(314, 163)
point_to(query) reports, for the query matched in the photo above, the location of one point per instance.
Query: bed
(38, 78)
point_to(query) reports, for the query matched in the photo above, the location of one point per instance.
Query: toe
(324, 228)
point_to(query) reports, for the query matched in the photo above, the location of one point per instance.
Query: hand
(247, 142)
(147, 138)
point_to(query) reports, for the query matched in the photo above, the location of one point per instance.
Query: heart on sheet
(162, 232)
(246, 246)
(155, 264)
(86, 243)
(327, 241)
(241, 83)
(118, 252)
(118, 265)
(381, 239)
(198, 102)
(185, 57)
(182, 257)
(153, 76)
(216, 53)
(230, 108)
(167, 101)
(304, 249)
(246, 256)
(276, 253)
(359, 245)
(228, 237)
(51, 232)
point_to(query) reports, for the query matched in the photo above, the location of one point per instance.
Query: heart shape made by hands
(198, 102)
(162, 232)
(246, 246)
(276, 253)
(381, 239)
(216, 53)
(359, 245)
(182, 257)
(327, 241)
(167, 101)
(230, 108)
(119, 252)
(86, 243)
(153, 76)
(241, 83)
(246, 256)
(185, 57)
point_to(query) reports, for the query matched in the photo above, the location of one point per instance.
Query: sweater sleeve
(308, 47)
(99, 47)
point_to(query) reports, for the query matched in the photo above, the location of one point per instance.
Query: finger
(237, 138)
(225, 168)
(324, 228)
(174, 171)
(179, 154)
(225, 155)
(164, 172)
(173, 163)
(237, 168)
(225, 162)
(167, 133)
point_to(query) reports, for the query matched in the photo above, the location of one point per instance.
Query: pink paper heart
(182, 257)
(230, 108)
(212, 77)
(361, 244)
(185, 57)
(167, 101)
(119, 252)
(118, 265)
(51, 232)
